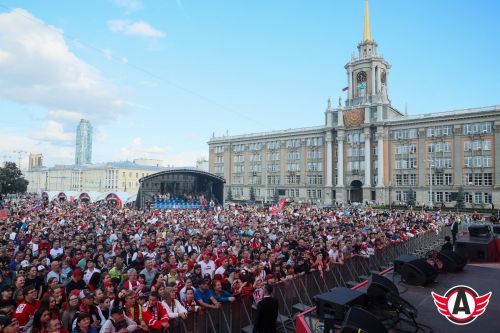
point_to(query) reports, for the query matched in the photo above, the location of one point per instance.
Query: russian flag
(345, 89)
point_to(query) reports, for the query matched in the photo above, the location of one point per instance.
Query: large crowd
(86, 267)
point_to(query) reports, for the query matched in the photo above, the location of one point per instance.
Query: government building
(368, 151)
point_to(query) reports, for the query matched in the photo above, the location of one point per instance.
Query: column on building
(458, 152)
(496, 165)
(328, 199)
(380, 149)
(350, 83)
(372, 76)
(329, 154)
(422, 163)
(340, 158)
(368, 160)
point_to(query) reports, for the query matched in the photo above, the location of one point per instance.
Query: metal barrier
(233, 317)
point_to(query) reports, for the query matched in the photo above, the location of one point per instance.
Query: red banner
(3, 214)
(278, 208)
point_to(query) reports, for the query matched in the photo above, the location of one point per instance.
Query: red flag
(3, 214)
(278, 208)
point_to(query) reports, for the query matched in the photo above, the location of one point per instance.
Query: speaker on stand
(452, 261)
(414, 271)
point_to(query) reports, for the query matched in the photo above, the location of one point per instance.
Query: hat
(5, 321)
(25, 263)
(224, 244)
(86, 294)
(116, 309)
(108, 284)
(5, 288)
(40, 268)
(77, 272)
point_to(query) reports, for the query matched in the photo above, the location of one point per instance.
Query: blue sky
(157, 78)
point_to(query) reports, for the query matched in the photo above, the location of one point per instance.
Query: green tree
(229, 195)
(11, 179)
(460, 198)
(252, 194)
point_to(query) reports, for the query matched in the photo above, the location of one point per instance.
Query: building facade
(83, 149)
(35, 161)
(368, 151)
(107, 177)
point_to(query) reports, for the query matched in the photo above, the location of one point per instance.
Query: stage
(483, 278)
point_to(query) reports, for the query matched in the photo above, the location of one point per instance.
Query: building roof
(286, 132)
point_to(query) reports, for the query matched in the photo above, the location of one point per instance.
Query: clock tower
(368, 73)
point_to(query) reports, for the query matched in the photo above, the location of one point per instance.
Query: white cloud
(52, 153)
(129, 5)
(65, 116)
(136, 150)
(37, 67)
(53, 131)
(140, 28)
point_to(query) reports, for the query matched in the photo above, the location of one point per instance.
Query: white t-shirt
(207, 268)
(54, 253)
(220, 270)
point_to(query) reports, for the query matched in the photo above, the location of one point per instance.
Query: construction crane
(20, 154)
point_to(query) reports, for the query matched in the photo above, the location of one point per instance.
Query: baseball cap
(77, 272)
(40, 268)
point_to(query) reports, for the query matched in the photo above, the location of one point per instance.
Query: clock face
(383, 77)
(361, 76)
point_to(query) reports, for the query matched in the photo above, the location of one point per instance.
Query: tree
(252, 194)
(460, 198)
(11, 179)
(229, 195)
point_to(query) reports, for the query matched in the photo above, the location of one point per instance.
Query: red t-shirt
(25, 311)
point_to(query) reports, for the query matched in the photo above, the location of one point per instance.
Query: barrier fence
(294, 294)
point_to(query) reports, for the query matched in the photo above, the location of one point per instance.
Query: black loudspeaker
(452, 261)
(477, 249)
(337, 302)
(401, 261)
(360, 320)
(378, 287)
(480, 230)
(418, 272)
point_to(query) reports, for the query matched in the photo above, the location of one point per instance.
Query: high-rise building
(368, 151)
(35, 161)
(83, 150)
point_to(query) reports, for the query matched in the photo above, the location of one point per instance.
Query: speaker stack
(414, 270)
(479, 246)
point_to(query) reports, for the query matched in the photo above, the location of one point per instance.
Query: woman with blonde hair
(174, 308)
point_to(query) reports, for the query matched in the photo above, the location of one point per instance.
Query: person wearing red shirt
(154, 314)
(27, 308)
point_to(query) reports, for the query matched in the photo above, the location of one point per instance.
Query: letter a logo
(461, 305)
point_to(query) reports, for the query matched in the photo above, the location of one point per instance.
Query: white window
(478, 197)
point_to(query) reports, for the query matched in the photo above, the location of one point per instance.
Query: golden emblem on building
(353, 118)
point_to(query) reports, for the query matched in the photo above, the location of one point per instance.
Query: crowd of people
(87, 267)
